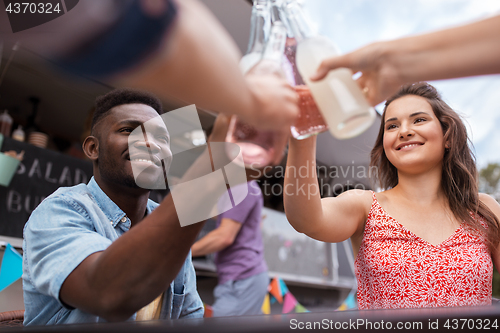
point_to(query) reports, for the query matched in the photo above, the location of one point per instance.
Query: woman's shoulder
(359, 197)
(486, 198)
(491, 203)
(384, 197)
(358, 203)
(357, 194)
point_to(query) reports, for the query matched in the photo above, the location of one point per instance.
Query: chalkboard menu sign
(40, 173)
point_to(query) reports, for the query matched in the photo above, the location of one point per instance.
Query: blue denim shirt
(66, 228)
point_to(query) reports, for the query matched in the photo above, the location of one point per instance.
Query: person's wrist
(307, 143)
(252, 113)
(399, 55)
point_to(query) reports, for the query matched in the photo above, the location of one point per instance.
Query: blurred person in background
(239, 250)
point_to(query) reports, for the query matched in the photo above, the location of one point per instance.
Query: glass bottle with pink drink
(310, 121)
(261, 148)
(338, 97)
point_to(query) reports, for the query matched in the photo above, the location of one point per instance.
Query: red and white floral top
(397, 269)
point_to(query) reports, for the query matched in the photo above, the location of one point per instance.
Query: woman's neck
(422, 189)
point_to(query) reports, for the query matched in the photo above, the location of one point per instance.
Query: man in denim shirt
(81, 263)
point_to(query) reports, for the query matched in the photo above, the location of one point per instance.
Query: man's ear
(91, 148)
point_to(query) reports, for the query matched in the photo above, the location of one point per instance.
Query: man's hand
(275, 102)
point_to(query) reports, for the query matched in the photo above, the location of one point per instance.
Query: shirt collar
(109, 208)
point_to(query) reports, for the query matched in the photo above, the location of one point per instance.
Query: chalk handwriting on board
(40, 173)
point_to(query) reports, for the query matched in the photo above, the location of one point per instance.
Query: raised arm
(200, 65)
(466, 50)
(133, 270)
(327, 219)
(196, 61)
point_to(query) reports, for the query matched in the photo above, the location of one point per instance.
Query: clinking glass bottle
(310, 121)
(260, 26)
(337, 96)
(260, 148)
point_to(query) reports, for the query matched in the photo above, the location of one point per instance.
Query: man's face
(134, 147)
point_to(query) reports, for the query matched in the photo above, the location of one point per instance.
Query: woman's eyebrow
(411, 115)
(418, 113)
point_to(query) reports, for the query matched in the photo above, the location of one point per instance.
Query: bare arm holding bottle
(200, 65)
(327, 219)
(466, 50)
(191, 57)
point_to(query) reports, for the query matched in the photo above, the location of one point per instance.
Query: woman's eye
(418, 120)
(126, 130)
(391, 126)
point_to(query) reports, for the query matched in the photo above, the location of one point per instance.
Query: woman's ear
(447, 146)
(91, 147)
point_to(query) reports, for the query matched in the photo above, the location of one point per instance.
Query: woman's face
(413, 136)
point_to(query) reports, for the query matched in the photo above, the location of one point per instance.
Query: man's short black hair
(120, 97)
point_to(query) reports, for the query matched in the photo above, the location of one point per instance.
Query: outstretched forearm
(193, 60)
(212, 242)
(301, 194)
(134, 269)
(139, 265)
(199, 65)
(466, 50)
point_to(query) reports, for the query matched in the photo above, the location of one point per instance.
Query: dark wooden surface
(421, 320)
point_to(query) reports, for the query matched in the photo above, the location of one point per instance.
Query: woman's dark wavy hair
(459, 179)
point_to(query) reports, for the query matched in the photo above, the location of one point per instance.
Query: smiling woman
(386, 21)
(432, 124)
(428, 240)
(411, 125)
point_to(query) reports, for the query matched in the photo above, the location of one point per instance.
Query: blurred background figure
(237, 242)
(239, 258)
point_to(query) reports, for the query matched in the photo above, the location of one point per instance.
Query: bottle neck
(278, 15)
(260, 24)
(275, 45)
(275, 11)
(297, 21)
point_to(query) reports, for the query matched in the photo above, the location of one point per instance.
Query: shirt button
(111, 222)
(124, 219)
